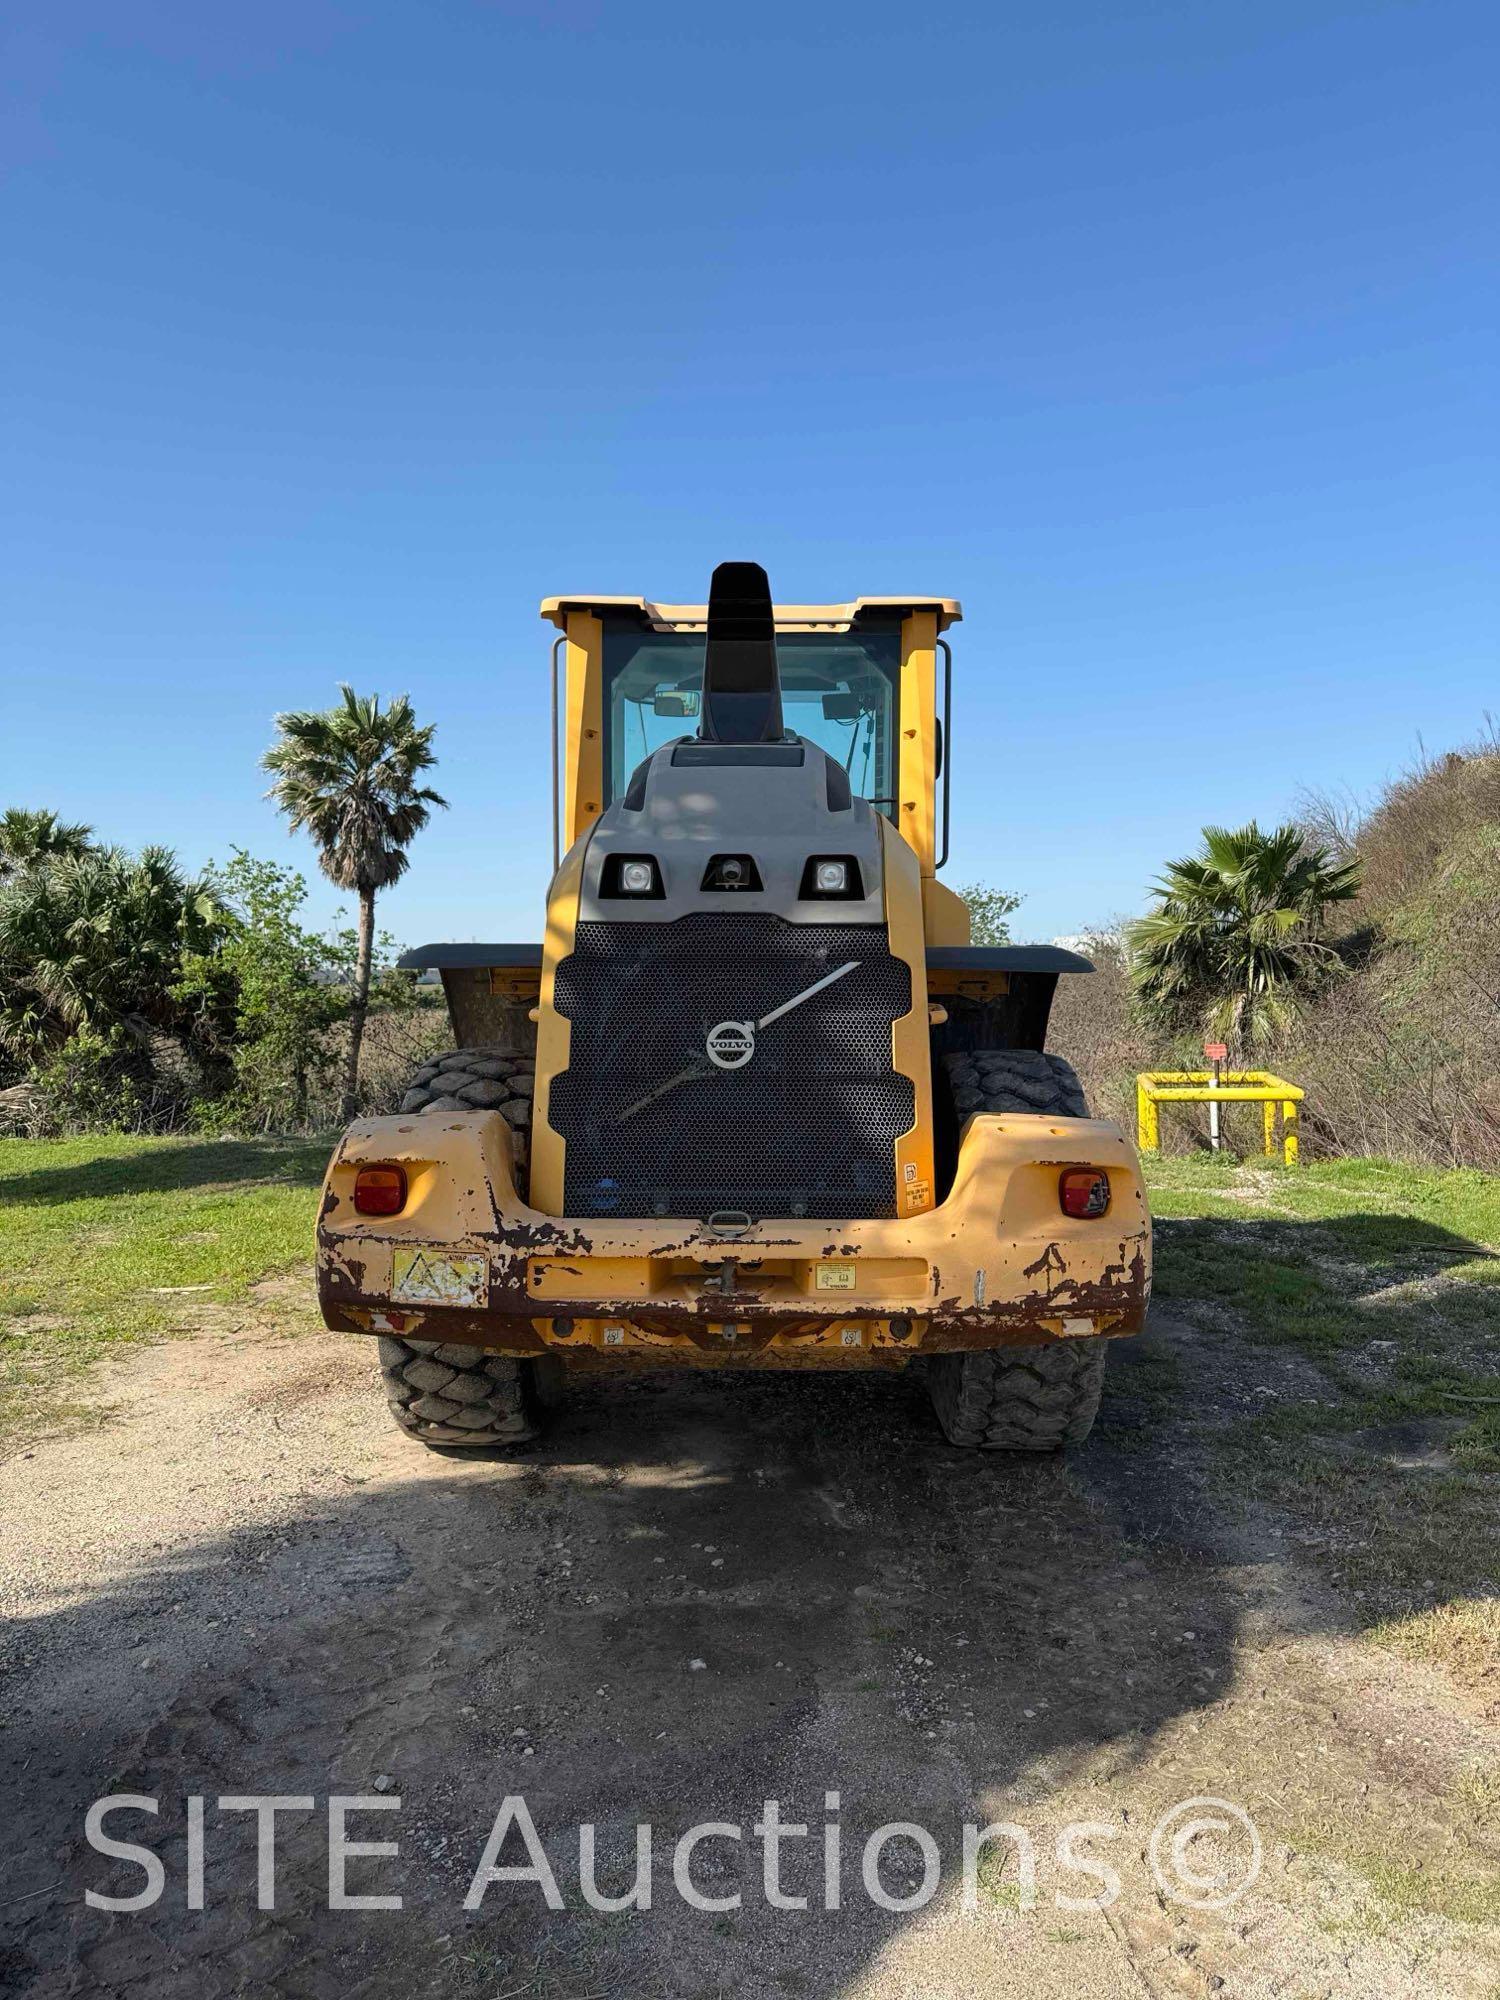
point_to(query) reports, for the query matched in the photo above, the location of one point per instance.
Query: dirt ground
(705, 1591)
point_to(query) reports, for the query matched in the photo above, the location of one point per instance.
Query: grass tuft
(104, 1241)
(1384, 1451)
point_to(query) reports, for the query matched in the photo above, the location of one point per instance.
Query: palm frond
(1234, 938)
(347, 776)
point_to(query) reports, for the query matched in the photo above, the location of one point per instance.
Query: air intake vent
(805, 1125)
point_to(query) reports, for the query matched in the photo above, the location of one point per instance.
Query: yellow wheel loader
(755, 1101)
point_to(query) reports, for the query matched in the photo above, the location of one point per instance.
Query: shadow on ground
(705, 1592)
(1360, 1365)
(169, 1166)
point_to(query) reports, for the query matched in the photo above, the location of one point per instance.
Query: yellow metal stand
(1155, 1087)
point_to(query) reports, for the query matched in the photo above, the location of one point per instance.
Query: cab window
(838, 690)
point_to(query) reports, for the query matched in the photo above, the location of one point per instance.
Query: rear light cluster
(379, 1191)
(1084, 1193)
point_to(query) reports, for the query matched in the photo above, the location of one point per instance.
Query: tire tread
(1035, 1398)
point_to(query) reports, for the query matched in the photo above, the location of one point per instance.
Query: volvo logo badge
(731, 1044)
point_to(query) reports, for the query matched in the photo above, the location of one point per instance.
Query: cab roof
(789, 617)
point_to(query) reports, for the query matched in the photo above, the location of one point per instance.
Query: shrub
(1418, 821)
(89, 1083)
(401, 1033)
(94, 939)
(1400, 1058)
(990, 911)
(265, 1001)
(1097, 1026)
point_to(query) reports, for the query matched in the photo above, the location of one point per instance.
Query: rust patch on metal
(1051, 1259)
(473, 1208)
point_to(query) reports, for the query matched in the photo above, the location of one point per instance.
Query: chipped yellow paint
(996, 1263)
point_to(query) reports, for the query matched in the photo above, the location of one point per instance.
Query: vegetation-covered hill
(1398, 1051)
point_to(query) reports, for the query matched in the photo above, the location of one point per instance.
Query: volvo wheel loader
(755, 1100)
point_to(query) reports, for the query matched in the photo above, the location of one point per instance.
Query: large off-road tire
(1018, 1398)
(481, 1079)
(450, 1395)
(454, 1396)
(1015, 1080)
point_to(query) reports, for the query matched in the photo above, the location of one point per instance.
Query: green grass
(1383, 1198)
(1402, 1878)
(96, 1232)
(1385, 1278)
(1001, 1891)
(1311, 1246)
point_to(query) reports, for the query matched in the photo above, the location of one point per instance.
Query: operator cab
(860, 681)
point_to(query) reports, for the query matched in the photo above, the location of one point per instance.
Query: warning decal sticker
(429, 1277)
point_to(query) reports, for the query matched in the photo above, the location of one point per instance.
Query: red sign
(1215, 1051)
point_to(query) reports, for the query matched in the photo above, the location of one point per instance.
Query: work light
(836, 876)
(638, 878)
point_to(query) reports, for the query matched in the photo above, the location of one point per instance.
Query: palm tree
(348, 776)
(1236, 936)
(29, 834)
(95, 940)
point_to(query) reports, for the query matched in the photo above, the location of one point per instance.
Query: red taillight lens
(1084, 1192)
(379, 1191)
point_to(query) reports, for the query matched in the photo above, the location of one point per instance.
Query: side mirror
(675, 701)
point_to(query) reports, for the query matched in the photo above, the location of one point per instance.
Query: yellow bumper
(997, 1264)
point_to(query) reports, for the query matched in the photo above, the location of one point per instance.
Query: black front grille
(806, 1127)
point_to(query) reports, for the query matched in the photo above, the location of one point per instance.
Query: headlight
(834, 876)
(630, 875)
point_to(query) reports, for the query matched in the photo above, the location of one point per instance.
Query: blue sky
(1161, 335)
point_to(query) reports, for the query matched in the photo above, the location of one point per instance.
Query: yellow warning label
(833, 1277)
(431, 1277)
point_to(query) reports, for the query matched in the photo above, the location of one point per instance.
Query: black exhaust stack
(741, 683)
